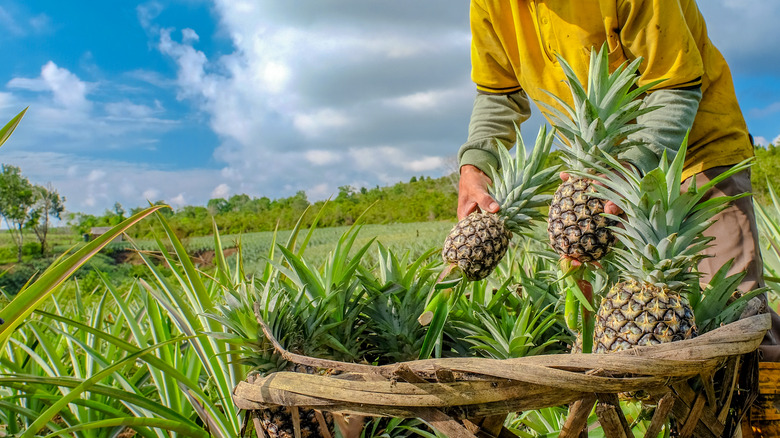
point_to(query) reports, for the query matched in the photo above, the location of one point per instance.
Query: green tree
(119, 211)
(16, 199)
(47, 204)
(217, 206)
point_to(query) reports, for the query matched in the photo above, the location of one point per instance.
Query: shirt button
(545, 20)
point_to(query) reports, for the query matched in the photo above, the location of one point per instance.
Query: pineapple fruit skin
(277, 421)
(476, 244)
(576, 227)
(635, 314)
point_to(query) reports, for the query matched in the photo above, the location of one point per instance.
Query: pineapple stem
(579, 299)
(571, 310)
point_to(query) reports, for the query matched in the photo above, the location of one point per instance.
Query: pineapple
(478, 242)
(596, 125)
(662, 243)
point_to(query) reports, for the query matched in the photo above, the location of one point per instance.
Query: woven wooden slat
(578, 417)
(443, 390)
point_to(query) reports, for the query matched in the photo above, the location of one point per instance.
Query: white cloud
(191, 62)
(16, 23)
(320, 122)
(321, 157)
(275, 75)
(388, 157)
(320, 191)
(96, 175)
(425, 164)
(308, 97)
(767, 111)
(760, 141)
(220, 191)
(740, 32)
(67, 89)
(151, 194)
(6, 100)
(177, 201)
(66, 120)
(40, 23)
(430, 99)
(92, 185)
(311, 95)
(189, 36)
(147, 12)
(9, 23)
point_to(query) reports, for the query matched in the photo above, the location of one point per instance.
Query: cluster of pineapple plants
(365, 308)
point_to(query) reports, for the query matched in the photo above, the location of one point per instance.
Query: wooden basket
(701, 384)
(764, 416)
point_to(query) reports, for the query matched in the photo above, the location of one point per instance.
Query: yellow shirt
(514, 42)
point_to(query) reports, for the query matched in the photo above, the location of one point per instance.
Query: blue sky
(186, 100)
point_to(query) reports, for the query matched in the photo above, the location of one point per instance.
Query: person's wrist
(482, 159)
(470, 169)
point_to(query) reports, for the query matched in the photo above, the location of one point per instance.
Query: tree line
(27, 206)
(419, 199)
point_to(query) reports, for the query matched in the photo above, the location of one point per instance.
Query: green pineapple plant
(596, 126)
(662, 244)
(478, 242)
(396, 294)
(769, 226)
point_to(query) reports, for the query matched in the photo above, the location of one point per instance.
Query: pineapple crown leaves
(522, 184)
(662, 227)
(600, 118)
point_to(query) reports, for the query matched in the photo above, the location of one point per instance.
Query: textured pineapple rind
(576, 226)
(636, 314)
(476, 244)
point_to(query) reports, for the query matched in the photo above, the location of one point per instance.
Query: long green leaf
(55, 408)
(9, 127)
(32, 296)
(174, 426)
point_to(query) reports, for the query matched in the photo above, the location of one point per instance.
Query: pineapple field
(162, 356)
(557, 316)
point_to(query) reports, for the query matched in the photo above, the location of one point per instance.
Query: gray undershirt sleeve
(665, 128)
(493, 117)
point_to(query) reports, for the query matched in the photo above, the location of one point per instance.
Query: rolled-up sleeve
(491, 69)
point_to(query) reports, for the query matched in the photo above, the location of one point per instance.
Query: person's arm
(659, 32)
(493, 121)
(493, 118)
(500, 105)
(665, 128)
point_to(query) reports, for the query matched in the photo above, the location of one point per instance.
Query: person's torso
(531, 32)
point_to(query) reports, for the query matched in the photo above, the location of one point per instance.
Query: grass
(416, 237)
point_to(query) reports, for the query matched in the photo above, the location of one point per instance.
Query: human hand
(473, 193)
(609, 206)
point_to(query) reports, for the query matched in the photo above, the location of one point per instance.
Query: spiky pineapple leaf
(599, 118)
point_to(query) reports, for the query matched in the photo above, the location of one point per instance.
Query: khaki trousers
(736, 237)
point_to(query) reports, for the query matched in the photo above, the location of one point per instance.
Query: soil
(202, 259)
(206, 258)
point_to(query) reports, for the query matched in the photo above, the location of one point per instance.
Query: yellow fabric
(514, 43)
